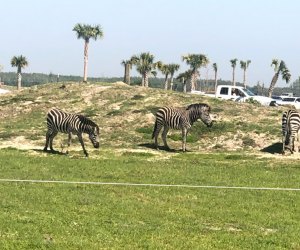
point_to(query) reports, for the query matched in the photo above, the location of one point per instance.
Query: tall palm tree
(233, 65)
(184, 78)
(215, 67)
(195, 61)
(279, 68)
(244, 67)
(86, 32)
(173, 67)
(19, 62)
(145, 65)
(165, 70)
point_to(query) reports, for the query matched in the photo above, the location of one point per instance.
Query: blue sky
(258, 30)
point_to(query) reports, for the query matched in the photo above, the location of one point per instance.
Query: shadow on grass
(152, 146)
(54, 152)
(275, 148)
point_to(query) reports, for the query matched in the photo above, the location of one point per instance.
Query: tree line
(146, 66)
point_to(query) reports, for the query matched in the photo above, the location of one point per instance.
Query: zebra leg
(291, 144)
(164, 137)
(69, 141)
(82, 144)
(184, 134)
(155, 135)
(48, 134)
(298, 143)
(284, 140)
(51, 140)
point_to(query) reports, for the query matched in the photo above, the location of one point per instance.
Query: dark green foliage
(145, 130)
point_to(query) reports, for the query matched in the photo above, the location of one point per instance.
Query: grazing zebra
(290, 130)
(180, 118)
(60, 121)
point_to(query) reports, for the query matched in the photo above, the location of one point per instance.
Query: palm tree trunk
(193, 81)
(273, 83)
(125, 73)
(86, 48)
(233, 77)
(216, 81)
(19, 80)
(128, 75)
(143, 81)
(171, 81)
(184, 86)
(197, 86)
(166, 82)
(146, 80)
(244, 79)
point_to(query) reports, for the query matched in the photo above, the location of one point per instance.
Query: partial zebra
(290, 130)
(60, 121)
(180, 118)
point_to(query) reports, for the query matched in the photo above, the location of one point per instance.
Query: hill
(222, 194)
(125, 115)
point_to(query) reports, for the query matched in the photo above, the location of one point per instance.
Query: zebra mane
(86, 120)
(198, 106)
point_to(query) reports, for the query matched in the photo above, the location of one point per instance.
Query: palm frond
(233, 62)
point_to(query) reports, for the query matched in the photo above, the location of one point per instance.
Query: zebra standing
(60, 121)
(290, 130)
(180, 118)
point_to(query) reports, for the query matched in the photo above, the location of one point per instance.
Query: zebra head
(94, 136)
(202, 111)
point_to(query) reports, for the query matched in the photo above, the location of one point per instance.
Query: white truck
(236, 93)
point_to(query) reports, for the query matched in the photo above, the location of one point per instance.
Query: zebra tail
(155, 127)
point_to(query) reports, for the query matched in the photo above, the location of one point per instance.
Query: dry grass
(121, 111)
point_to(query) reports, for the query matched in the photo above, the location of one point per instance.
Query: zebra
(290, 130)
(60, 121)
(180, 118)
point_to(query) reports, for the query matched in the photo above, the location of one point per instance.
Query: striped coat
(60, 121)
(180, 118)
(290, 130)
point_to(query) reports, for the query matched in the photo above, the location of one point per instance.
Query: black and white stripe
(290, 129)
(180, 118)
(60, 121)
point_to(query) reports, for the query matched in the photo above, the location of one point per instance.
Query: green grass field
(77, 216)
(240, 150)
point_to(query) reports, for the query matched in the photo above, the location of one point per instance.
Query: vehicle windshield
(288, 99)
(248, 92)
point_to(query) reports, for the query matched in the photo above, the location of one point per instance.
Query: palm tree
(244, 67)
(145, 65)
(127, 67)
(165, 70)
(173, 68)
(86, 32)
(195, 61)
(184, 78)
(233, 65)
(279, 68)
(215, 67)
(19, 62)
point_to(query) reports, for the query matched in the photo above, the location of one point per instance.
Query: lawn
(78, 216)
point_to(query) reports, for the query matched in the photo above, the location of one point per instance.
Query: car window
(290, 99)
(224, 91)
